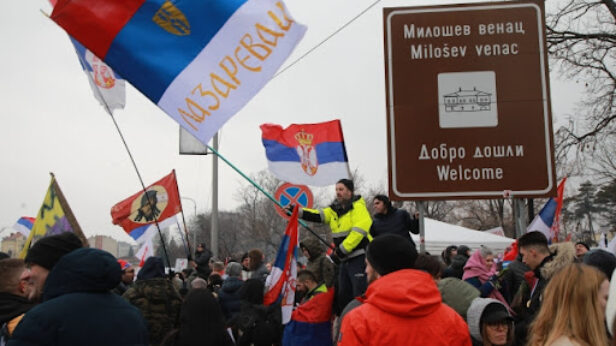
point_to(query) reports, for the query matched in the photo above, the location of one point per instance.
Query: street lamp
(194, 204)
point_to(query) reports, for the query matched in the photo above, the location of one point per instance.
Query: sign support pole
(519, 217)
(422, 227)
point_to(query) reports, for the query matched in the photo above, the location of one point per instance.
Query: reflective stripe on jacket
(351, 230)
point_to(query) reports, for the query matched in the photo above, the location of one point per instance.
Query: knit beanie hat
(391, 252)
(347, 183)
(124, 265)
(47, 251)
(484, 310)
(603, 260)
(234, 270)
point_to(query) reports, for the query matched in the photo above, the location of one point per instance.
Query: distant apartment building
(104, 242)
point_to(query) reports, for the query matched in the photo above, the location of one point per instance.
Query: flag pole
(183, 219)
(301, 222)
(182, 237)
(150, 201)
(130, 155)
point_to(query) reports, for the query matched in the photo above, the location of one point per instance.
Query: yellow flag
(54, 217)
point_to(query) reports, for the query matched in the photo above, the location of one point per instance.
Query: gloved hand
(337, 255)
(494, 281)
(289, 209)
(334, 258)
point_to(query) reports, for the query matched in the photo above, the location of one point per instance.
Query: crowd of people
(372, 289)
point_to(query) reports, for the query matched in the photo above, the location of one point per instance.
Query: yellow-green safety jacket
(350, 227)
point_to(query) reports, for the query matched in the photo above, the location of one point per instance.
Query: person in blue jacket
(79, 308)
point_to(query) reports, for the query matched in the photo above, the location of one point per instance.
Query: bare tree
(486, 214)
(581, 37)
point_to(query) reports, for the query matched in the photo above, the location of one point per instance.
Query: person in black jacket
(259, 325)
(79, 308)
(229, 293)
(201, 322)
(390, 220)
(202, 261)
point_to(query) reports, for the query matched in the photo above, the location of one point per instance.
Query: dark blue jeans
(351, 280)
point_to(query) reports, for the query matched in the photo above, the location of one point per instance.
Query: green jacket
(159, 302)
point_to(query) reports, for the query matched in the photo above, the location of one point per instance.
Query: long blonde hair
(571, 308)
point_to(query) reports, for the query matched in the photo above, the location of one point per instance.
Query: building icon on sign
(467, 101)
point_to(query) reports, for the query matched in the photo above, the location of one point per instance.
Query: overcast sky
(52, 123)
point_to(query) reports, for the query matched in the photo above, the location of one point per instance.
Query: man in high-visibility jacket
(350, 223)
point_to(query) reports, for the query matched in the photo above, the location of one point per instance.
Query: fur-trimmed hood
(562, 255)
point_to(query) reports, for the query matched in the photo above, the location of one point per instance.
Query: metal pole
(214, 233)
(519, 216)
(422, 227)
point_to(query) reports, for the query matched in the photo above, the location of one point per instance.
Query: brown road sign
(468, 107)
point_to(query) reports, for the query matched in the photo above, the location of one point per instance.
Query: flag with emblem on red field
(159, 201)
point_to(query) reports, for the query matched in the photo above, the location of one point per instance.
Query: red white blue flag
(280, 283)
(548, 219)
(306, 154)
(108, 88)
(24, 225)
(200, 61)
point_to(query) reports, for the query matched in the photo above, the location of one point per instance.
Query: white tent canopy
(439, 235)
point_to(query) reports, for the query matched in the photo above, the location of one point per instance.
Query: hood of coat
(562, 255)
(232, 285)
(473, 315)
(405, 293)
(83, 270)
(313, 246)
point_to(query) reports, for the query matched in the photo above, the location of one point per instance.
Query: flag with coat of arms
(108, 87)
(280, 283)
(306, 154)
(199, 61)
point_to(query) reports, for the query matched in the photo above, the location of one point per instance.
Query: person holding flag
(349, 221)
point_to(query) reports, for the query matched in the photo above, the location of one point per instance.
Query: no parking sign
(289, 194)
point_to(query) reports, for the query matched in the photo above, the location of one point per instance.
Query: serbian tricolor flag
(24, 225)
(147, 248)
(159, 202)
(306, 154)
(280, 283)
(548, 219)
(107, 86)
(200, 61)
(310, 322)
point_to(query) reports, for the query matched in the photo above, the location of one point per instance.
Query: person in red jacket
(402, 306)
